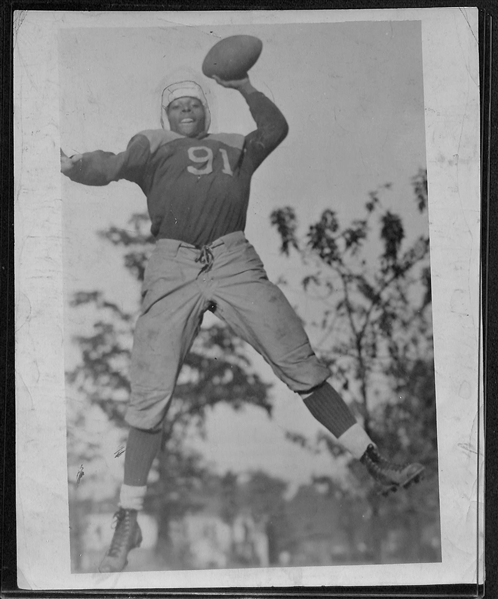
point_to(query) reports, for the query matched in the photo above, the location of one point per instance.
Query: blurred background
(339, 215)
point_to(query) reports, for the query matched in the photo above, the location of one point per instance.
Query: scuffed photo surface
(247, 478)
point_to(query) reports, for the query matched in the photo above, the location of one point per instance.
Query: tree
(376, 332)
(264, 497)
(260, 496)
(216, 370)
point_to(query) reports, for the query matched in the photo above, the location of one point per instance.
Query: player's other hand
(234, 84)
(68, 163)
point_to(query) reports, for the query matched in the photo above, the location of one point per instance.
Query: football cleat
(389, 476)
(127, 536)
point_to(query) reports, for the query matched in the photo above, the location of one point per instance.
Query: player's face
(186, 116)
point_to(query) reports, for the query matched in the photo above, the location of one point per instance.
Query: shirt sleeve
(101, 168)
(272, 128)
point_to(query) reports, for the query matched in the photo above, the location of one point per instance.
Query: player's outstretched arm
(101, 168)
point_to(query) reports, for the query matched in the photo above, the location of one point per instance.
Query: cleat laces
(122, 525)
(127, 536)
(381, 463)
(390, 474)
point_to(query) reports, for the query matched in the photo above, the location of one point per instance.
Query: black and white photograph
(248, 337)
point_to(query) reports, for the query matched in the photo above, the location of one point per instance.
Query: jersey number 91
(205, 156)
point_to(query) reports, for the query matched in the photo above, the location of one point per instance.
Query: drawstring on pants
(206, 257)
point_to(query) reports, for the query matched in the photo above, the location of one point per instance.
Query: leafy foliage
(285, 222)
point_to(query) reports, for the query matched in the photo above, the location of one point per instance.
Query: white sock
(355, 440)
(132, 498)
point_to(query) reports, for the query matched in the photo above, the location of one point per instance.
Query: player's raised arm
(272, 128)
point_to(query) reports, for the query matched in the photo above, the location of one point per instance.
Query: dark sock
(329, 409)
(141, 449)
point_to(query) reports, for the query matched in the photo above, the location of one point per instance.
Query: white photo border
(451, 91)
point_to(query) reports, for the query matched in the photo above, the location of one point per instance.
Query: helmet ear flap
(164, 117)
(207, 118)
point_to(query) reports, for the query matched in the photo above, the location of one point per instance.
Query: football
(232, 57)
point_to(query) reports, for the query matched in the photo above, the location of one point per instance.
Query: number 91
(204, 155)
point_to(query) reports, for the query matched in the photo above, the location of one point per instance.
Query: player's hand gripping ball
(232, 57)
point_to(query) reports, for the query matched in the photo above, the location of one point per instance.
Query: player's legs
(259, 312)
(170, 318)
(172, 309)
(163, 336)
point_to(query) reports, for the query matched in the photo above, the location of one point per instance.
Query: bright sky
(353, 96)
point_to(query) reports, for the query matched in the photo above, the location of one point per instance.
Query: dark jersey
(197, 189)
